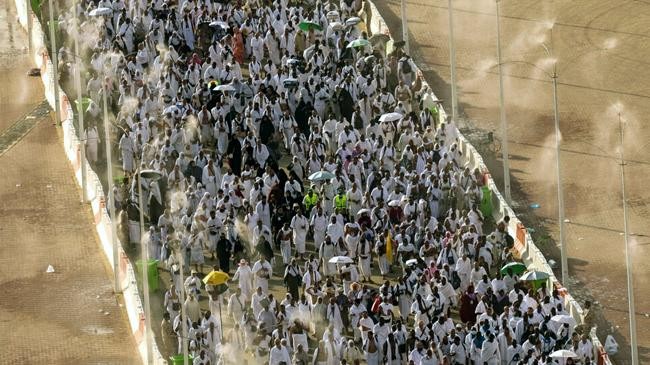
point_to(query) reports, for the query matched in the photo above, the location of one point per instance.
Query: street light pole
(502, 108)
(560, 190)
(628, 262)
(28, 23)
(145, 275)
(452, 62)
(111, 196)
(181, 262)
(405, 29)
(55, 64)
(80, 109)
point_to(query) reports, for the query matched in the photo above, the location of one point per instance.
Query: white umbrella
(220, 24)
(336, 26)
(353, 21)
(173, 109)
(563, 354)
(390, 117)
(290, 82)
(101, 12)
(340, 260)
(393, 203)
(225, 88)
(411, 262)
(332, 14)
(563, 318)
(362, 211)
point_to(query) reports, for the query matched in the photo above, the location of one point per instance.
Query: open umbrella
(225, 88)
(353, 21)
(85, 103)
(379, 38)
(172, 109)
(321, 176)
(411, 262)
(307, 26)
(390, 117)
(516, 267)
(534, 276)
(563, 318)
(333, 14)
(340, 260)
(219, 24)
(308, 52)
(290, 82)
(216, 278)
(101, 12)
(563, 354)
(358, 43)
(363, 211)
(293, 61)
(336, 26)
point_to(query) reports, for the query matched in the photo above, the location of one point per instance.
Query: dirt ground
(70, 316)
(601, 48)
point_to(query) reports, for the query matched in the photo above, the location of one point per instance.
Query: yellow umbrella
(216, 278)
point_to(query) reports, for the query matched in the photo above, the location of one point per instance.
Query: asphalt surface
(601, 48)
(70, 316)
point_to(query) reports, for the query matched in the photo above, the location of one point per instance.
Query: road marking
(23, 126)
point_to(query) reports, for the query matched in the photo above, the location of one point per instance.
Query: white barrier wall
(94, 190)
(524, 245)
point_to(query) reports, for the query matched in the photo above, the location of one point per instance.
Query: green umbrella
(85, 103)
(516, 267)
(307, 26)
(537, 279)
(358, 43)
(534, 276)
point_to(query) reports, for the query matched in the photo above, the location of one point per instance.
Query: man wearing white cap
(245, 276)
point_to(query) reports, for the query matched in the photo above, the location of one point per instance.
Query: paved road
(602, 50)
(72, 315)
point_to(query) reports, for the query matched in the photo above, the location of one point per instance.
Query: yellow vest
(341, 201)
(310, 200)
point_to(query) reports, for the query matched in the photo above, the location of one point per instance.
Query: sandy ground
(70, 316)
(602, 49)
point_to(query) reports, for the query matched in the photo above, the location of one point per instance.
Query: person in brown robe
(468, 303)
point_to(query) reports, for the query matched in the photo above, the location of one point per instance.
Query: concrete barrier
(94, 189)
(524, 245)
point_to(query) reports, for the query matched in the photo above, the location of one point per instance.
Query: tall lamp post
(502, 108)
(80, 109)
(452, 63)
(109, 168)
(149, 175)
(181, 262)
(628, 262)
(109, 187)
(405, 29)
(558, 139)
(553, 75)
(55, 64)
(558, 167)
